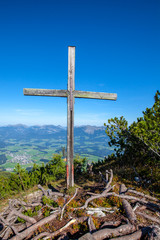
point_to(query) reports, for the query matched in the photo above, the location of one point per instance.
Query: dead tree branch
(51, 235)
(68, 203)
(109, 232)
(32, 228)
(154, 219)
(143, 195)
(134, 236)
(91, 225)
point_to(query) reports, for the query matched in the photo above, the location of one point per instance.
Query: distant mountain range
(20, 131)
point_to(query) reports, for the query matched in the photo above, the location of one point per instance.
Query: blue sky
(117, 51)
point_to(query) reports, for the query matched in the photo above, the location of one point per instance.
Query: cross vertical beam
(70, 117)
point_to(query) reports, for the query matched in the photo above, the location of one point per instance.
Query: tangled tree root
(135, 205)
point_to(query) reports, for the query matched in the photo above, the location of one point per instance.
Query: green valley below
(37, 144)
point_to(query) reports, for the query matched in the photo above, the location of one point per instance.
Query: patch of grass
(49, 201)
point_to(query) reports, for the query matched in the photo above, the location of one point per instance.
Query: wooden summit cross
(70, 93)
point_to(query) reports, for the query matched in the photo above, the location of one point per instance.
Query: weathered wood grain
(70, 117)
(95, 95)
(45, 92)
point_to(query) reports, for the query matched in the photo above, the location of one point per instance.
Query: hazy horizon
(25, 125)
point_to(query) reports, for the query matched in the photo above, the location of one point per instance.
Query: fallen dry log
(47, 235)
(154, 219)
(87, 236)
(51, 235)
(111, 224)
(127, 207)
(34, 227)
(134, 236)
(129, 211)
(11, 219)
(41, 235)
(143, 195)
(7, 232)
(24, 217)
(14, 228)
(109, 232)
(8, 224)
(13, 203)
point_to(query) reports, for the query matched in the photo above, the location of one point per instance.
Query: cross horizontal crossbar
(45, 92)
(65, 93)
(95, 95)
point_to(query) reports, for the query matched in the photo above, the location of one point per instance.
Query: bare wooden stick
(154, 219)
(15, 202)
(91, 225)
(8, 224)
(61, 229)
(117, 195)
(68, 203)
(7, 231)
(32, 228)
(107, 172)
(3, 233)
(143, 195)
(93, 194)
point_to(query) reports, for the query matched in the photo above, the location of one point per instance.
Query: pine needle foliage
(138, 146)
